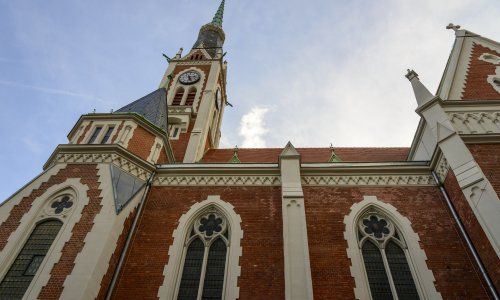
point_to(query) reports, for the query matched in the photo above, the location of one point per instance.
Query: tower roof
(219, 15)
(211, 36)
(153, 107)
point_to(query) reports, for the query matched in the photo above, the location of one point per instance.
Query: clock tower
(196, 93)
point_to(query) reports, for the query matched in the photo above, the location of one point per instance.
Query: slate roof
(308, 155)
(153, 107)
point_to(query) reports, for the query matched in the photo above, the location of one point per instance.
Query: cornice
(329, 174)
(95, 154)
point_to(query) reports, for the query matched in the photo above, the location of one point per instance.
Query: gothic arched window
(204, 267)
(178, 96)
(387, 261)
(385, 258)
(24, 268)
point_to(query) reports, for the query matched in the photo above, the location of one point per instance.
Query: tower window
(95, 134)
(191, 96)
(28, 261)
(178, 97)
(205, 258)
(107, 135)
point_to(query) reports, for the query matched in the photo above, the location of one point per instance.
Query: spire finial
(422, 94)
(453, 27)
(217, 20)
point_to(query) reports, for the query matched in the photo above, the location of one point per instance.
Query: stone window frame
(423, 277)
(41, 211)
(173, 269)
(198, 85)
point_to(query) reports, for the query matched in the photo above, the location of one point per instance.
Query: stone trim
(475, 122)
(176, 251)
(442, 168)
(386, 180)
(424, 278)
(108, 154)
(216, 180)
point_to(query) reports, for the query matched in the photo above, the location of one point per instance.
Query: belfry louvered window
(385, 258)
(21, 272)
(190, 97)
(178, 97)
(204, 265)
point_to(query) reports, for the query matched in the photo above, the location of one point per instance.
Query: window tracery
(205, 258)
(383, 251)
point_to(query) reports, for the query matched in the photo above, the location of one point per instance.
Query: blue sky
(312, 72)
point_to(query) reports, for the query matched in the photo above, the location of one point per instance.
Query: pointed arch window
(25, 266)
(190, 97)
(178, 96)
(385, 258)
(205, 258)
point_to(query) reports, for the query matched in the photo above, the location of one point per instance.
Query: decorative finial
(217, 20)
(333, 156)
(453, 27)
(235, 159)
(411, 74)
(179, 53)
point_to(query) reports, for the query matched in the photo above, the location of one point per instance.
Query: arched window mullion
(389, 274)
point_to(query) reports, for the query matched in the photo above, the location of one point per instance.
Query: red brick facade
(262, 259)
(179, 146)
(488, 158)
(447, 257)
(87, 128)
(476, 233)
(141, 142)
(476, 86)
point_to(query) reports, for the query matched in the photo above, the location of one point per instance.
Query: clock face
(218, 99)
(189, 77)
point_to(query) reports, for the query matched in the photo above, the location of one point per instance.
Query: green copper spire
(217, 20)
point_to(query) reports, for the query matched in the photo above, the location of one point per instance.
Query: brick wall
(448, 259)
(474, 229)
(488, 158)
(262, 258)
(141, 142)
(476, 86)
(117, 133)
(179, 146)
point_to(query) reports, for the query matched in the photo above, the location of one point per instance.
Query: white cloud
(253, 127)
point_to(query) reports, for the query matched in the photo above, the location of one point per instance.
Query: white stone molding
(298, 281)
(114, 158)
(125, 135)
(173, 269)
(442, 168)
(194, 62)
(385, 180)
(216, 180)
(493, 79)
(155, 151)
(92, 263)
(482, 122)
(37, 214)
(423, 277)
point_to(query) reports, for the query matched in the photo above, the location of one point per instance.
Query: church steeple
(211, 36)
(217, 20)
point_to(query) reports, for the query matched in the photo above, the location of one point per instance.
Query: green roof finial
(217, 20)
(333, 158)
(235, 159)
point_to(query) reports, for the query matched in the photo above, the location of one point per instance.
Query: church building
(141, 203)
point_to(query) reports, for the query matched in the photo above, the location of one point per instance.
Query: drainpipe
(467, 239)
(129, 239)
